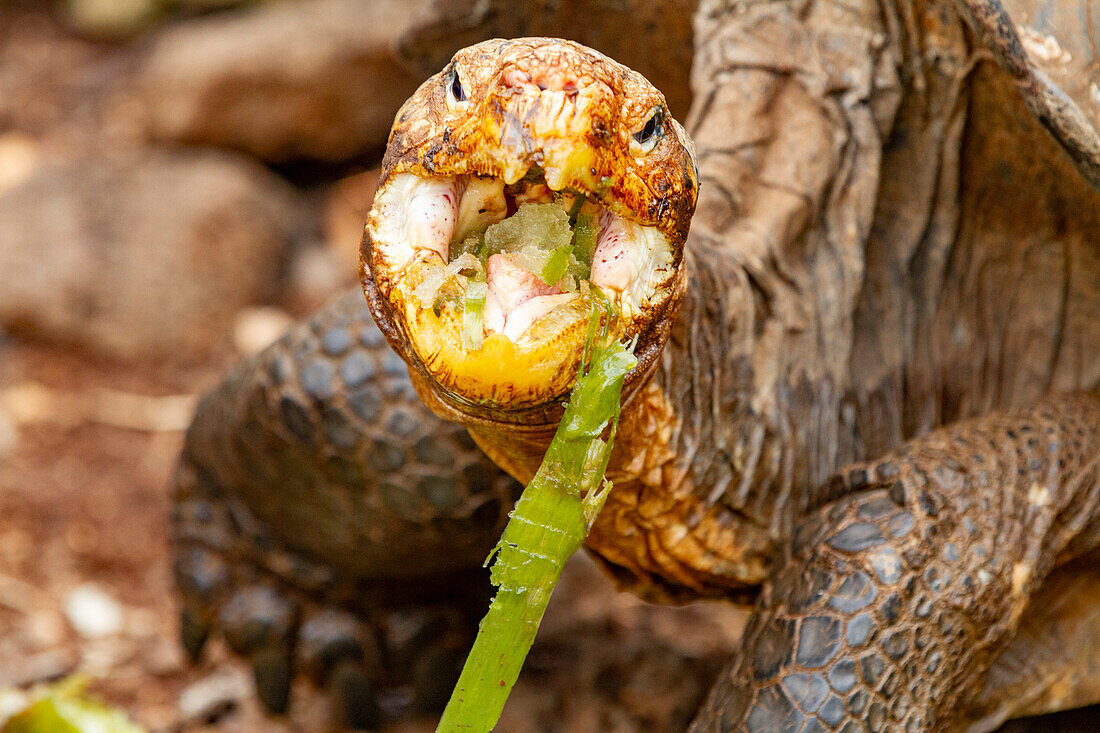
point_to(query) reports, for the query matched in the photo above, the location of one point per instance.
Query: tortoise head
(529, 185)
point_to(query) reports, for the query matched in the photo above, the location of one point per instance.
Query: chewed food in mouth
(490, 271)
(523, 191)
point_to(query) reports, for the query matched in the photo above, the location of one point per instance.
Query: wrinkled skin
(875, 416)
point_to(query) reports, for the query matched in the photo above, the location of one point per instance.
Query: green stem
(549, 523)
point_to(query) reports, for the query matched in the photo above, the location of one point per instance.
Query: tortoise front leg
(892, 601)
(326, 522)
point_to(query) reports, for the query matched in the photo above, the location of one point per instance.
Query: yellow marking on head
(1021, 573)
(1038, 495)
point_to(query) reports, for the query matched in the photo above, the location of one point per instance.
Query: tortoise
(868, 394)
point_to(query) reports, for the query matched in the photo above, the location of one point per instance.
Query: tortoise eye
(645, 139)
(455, 88)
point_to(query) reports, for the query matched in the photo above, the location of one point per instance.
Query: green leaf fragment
(585, 233)
(530, 258)
(549, 523)
(64, 710)
(540, 239)
(473, 244)
(473, 314)
(544, 226)
(543, 239)
(575, 208)
(557, 263)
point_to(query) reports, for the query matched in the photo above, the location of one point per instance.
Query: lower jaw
(497, 383)
(521, 381)
(515, 429)
(516, 438)
(500, 373)
(521, 390)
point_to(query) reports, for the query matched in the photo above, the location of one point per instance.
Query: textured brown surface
(892, 601)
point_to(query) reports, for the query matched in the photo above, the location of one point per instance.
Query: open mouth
(533, 192)
(494, 283)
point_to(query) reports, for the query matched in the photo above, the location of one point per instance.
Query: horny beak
(539, 121)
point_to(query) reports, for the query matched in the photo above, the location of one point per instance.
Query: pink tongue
(512, 284)
(432, 214)
(615, 261)
(510, 287)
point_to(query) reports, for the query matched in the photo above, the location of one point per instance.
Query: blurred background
(179, 181)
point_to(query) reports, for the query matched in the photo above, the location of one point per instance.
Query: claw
(258, 623)
(353, 695)
(336, 653)
(272, 671)
(202, 577)
(194, 630)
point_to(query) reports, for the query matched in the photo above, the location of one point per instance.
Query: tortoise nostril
(554, 79)
(515, 78)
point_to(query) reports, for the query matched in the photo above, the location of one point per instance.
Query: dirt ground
(83, 501)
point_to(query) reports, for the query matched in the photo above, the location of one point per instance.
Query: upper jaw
(541, 128)
(575, 137)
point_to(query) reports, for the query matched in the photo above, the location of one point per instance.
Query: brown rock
(46, 75)
(140, 255)
(312, 79)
